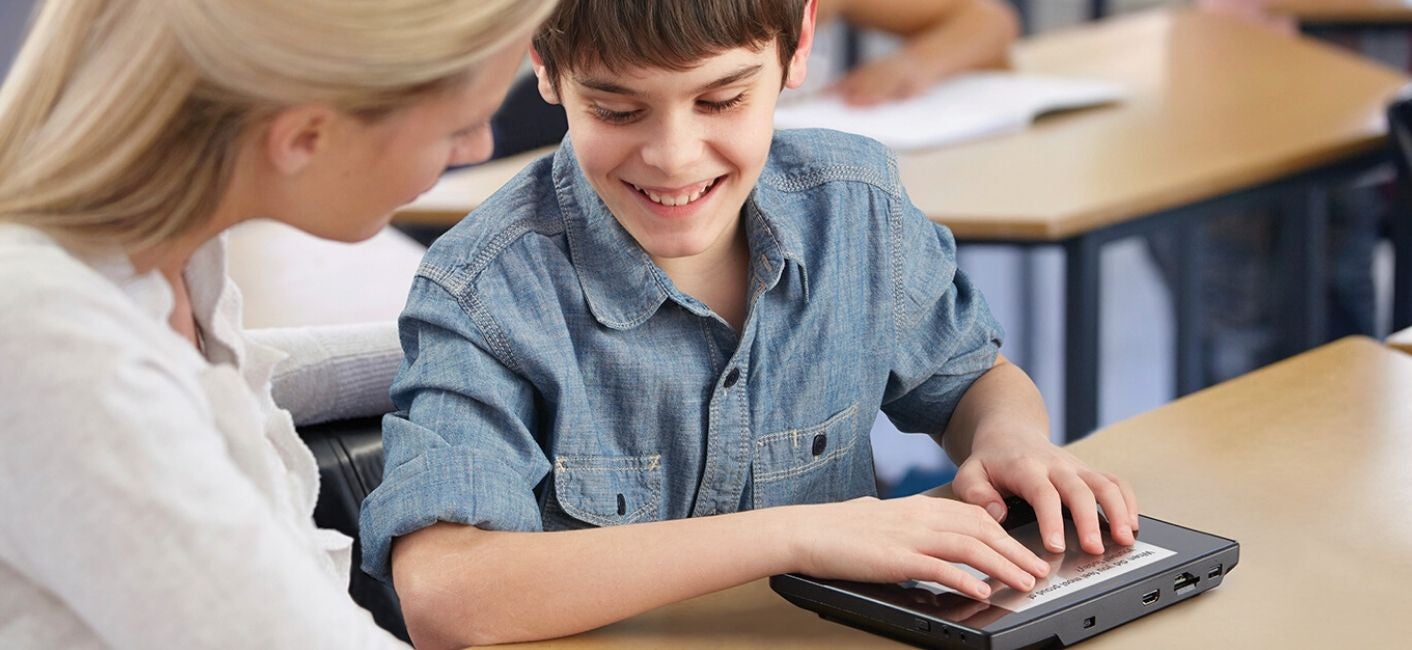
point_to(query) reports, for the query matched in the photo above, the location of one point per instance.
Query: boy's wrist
(784, 527)
(1007, 434)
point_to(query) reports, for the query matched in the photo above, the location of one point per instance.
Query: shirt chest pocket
(828, 461)
(609, 490)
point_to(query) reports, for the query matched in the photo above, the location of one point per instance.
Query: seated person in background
(940, 38)
(646, 369)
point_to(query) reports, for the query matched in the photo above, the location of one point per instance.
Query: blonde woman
(153, 495)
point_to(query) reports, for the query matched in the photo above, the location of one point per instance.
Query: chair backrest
(350, 458)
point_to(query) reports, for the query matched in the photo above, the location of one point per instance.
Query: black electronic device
(1083, 595)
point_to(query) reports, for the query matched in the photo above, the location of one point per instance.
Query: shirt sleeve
(333, 372)
(121, 501)
(945, 335)
(461, 445)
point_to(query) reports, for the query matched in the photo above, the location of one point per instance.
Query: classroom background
(1024, 286)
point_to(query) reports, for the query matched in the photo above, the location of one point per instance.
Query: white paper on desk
(967, 107)
(1068, 572)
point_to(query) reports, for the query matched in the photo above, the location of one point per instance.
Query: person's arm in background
(1253, 11)
(940, 38)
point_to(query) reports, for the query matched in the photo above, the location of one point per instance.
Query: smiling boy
(646, 368)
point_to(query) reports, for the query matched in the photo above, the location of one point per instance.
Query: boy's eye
(613, 117)
(721, 106)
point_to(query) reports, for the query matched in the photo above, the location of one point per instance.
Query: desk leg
(1400, 229)
(1186, 302)
(1097, 9)
(1081, 329)
(1306, 262)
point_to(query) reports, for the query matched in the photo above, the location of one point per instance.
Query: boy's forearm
(463, 586)
(1002, 402)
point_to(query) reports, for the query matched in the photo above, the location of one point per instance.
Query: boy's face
(674, 154)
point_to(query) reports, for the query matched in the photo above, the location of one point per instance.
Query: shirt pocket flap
(609, 490)
(795, 451)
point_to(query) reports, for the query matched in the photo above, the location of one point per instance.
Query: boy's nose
(674, 146)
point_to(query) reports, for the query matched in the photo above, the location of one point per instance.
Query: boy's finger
(1084, 510)
(948, 574)
(1129, 498)
(973, 486)
(1048, 511)
(1111, 498)
(1017, 553)
(979, 554)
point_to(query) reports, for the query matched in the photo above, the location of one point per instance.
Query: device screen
(1069, 572)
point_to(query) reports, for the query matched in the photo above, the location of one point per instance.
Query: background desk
(1345, 12)
(1305, 462)
(1221, 113)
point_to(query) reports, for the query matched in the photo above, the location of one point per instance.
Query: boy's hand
(1049, 478)
(913, 538)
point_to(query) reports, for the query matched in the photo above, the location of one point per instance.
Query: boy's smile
(674, 154)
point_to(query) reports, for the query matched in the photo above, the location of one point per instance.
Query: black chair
(350, 458)
(1399, 120)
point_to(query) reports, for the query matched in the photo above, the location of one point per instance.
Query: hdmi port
(1151, 596)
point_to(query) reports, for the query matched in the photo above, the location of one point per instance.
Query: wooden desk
(1221, 113)
(1306, 463)
(1360, 12)
(1401, 340)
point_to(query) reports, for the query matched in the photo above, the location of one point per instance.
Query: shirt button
(820, 442)
(732, 377)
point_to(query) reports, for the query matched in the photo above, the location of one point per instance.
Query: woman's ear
(295, 135)
(546, 87)
(799, 63)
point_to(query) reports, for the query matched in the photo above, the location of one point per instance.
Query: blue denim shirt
(555, 378)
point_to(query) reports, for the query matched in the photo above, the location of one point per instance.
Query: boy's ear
(799, 63)
(546, 89)
(296, 135)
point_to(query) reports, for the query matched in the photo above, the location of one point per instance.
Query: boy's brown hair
(668, 34)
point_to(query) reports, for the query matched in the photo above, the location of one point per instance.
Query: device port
(1215, 571)
(1184, 583)
(1089, 622)
(1151, 596)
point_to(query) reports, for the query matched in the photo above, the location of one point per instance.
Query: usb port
(1184, 583)
(1215, 571)
(1151, 596)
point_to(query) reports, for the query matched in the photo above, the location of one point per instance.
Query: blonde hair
(119, 119)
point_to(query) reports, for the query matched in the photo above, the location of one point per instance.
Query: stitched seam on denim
(823, 461)
(495, 337)
(654, 487)
(708, 474)
(592, 463)
(899, 295)
(743, 439)
(807, 431)
(654, 496)
(564, 193)
(471, 302)
(816, 176)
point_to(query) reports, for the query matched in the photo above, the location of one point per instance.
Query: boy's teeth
(673, 201)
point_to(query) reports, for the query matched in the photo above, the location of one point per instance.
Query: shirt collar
(621, 283)
(215, 303)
